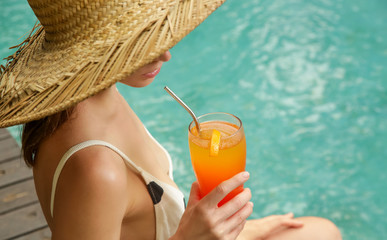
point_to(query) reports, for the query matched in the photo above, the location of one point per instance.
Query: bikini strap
(77, 148)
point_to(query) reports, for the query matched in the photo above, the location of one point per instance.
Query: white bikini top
(168, 201)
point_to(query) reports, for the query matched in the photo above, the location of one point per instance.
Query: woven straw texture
(81, 47)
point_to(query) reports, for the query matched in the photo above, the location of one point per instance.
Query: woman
(98, 172)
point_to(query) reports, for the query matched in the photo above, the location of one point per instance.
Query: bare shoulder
(96, 166)
(93, 190)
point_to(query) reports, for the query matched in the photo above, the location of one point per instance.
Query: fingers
(273, 223)
(222, 221)
(292, 223)
(194, 195)
(285, 220)
(237, 203)
(240, 216)
(236, 231)
(289, 221)
(221, 191)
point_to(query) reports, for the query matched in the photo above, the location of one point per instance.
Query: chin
(138, 83)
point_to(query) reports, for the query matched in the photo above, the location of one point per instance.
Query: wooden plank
(20, 214)
(21, 221)
(9, 149)
(42, 234)
(17, 195)
(14, 171)
(4, 133)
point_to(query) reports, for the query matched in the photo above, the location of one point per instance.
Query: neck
(101, 107)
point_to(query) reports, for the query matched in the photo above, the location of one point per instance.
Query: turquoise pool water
(309, 80)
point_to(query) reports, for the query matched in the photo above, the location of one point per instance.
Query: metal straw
(185, 106)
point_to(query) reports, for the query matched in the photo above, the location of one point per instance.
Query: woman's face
(146, 74)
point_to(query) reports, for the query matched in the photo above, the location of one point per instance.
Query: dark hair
(35, 132)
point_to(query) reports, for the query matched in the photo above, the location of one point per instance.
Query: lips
(152, 74)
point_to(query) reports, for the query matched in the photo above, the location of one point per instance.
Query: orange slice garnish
(215, 142)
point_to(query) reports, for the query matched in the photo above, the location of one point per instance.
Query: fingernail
(246, 174)
(252, 204)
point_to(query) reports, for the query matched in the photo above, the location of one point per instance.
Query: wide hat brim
(44, 78)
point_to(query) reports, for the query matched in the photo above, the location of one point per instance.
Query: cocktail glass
(213, 168)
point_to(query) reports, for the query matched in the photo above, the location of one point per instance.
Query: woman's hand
(203, 219)
(259, 229)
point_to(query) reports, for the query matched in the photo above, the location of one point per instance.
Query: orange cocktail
(211, 166)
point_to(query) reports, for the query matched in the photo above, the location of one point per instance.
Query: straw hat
(81, 47)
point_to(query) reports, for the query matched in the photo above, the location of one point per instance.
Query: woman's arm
(259, 229)
(91, 197)
(203, 219)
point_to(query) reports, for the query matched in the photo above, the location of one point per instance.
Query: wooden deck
(21, 217)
